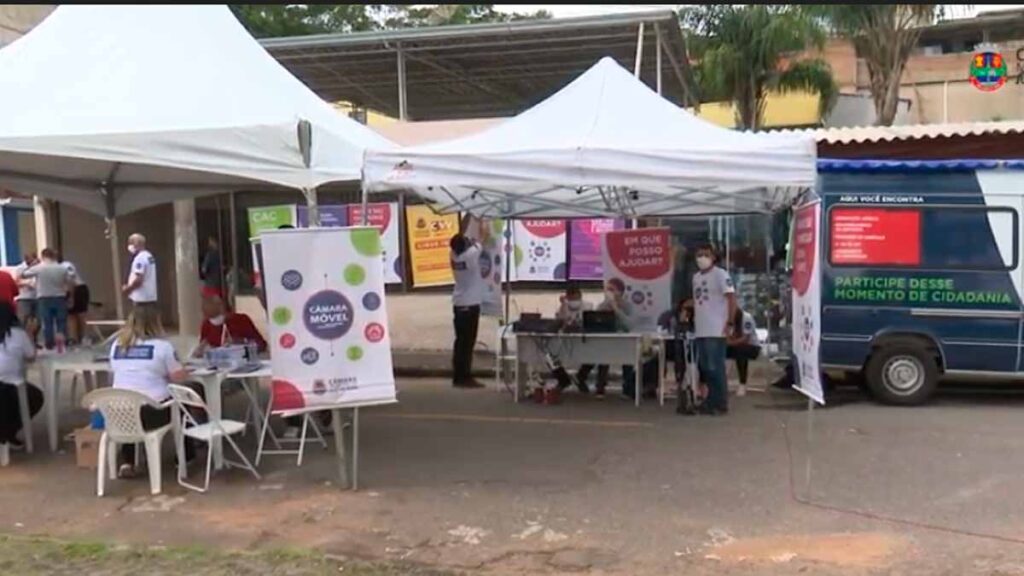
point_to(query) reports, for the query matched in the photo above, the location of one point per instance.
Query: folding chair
(185, 398)
(301, 440)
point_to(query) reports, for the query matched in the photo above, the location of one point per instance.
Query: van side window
(924, 237)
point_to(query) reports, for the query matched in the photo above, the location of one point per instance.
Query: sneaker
(471, 383)
(16, 445)
(599, 394)
(741, 391)
(291, 433)
(126, 471)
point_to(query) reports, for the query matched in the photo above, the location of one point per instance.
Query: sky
(571, 10)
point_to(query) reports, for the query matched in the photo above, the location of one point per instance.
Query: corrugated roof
(839, 165)
(862, 134)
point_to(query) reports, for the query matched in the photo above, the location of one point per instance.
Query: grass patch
(37, 556)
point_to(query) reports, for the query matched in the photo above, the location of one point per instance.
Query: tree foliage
(746, 52)
(885, 36)
(271, 20)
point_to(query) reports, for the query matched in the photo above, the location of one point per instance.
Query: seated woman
(743, 345)
(222, 327)
(141, 360)
(570, 313)
(16, 348)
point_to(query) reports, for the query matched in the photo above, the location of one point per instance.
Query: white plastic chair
(121, 414)
(185, 398)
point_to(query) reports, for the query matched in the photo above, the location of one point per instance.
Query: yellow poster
(429, 235)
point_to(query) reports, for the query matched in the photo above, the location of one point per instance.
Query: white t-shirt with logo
(144, 367)
(24, 292)
(76, 278)
(469, 285)
(16, 348)
(748, 329)
(710, 305)
(144, 265)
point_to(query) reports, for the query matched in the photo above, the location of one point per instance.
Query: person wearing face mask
(141, 285)
(570, 314)
(714, 298)
(222, 327)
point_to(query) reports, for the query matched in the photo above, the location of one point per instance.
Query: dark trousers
(711, 359)
(648, 379)
(10, 414)
(153, 418)
(466, 320)
(564, 380)
(53, 314)
(743, 354)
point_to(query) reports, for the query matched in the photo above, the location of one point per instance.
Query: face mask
(132, 249)
(217, 320)
(703, 262)
(574, 305)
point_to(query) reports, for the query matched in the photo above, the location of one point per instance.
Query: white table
(213, 384)
(50, 366)
(575, 349)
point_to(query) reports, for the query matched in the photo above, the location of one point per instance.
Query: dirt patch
(870, 550)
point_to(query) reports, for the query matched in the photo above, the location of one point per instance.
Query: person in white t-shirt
(466, 298)
(78, 302)
(143, 361)
(141, 285)
(743, 345)
(16, 348)
(714, 302)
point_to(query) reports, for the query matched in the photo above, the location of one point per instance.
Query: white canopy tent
(117, 108)
(605, 144)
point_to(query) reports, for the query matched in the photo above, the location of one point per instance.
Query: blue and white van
(922, 273)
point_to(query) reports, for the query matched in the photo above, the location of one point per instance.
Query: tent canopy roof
(111, 94)
(604, 144)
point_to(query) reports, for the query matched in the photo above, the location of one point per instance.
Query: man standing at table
(466, 299)
(141, 285)
(714, 299)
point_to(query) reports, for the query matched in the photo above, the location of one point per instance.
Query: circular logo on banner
(485, 264)
(287, 341)
(545, 228)
(309, 356)
(805, 242)
(988, 69)
(328, 315)
(374, 332)
(371, 301)
(291, 280)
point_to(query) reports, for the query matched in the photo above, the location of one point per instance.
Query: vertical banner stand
(810, 442)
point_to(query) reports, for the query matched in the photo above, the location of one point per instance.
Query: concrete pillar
(186, 267)
(46, 234)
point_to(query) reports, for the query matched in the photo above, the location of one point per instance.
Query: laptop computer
(600, 321)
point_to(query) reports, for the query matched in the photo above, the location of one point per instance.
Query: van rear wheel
(904, 375)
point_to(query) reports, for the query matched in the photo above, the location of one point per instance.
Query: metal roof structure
(873, 134)
(485, 70)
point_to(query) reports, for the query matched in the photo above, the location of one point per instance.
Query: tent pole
(314, 207)
(657, 55)
(365, 217)
(233, 226)
(107, 191)
(509, 254)
(639, 51)
(403, 112)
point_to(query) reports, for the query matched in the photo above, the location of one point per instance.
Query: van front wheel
(902, 375)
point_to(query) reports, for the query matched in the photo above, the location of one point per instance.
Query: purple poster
(585, 246)
(330, 216)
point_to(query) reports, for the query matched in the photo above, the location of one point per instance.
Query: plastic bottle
(96, 421)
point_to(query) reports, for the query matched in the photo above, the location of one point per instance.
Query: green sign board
(938, 291)
(270, 218)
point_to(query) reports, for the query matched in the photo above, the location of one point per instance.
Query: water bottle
(96, 420)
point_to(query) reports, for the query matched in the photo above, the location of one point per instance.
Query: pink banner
(585, 246)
